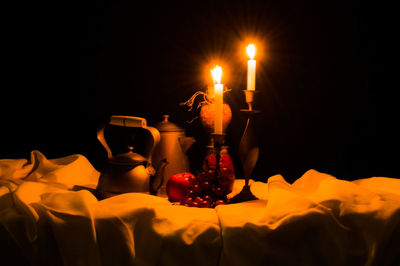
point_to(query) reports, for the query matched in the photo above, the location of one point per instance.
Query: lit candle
(218, 99)
(251, 68)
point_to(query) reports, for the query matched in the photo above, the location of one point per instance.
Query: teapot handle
(102, 139)
(131, 121)
(151, 143)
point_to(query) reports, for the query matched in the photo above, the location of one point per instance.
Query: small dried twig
(192, 99)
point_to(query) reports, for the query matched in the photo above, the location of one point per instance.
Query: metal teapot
(130, 172)
(172, 147)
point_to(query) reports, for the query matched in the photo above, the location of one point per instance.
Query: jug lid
(167, 126)
(128, 158)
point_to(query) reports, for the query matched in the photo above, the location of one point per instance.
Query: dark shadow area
(325, 76)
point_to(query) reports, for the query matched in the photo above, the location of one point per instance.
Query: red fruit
(189, 201)
(210, 174)
(192, 180)
(219, 191)
(226, 178)
(190, 193)
(207, 116)
(205, 185)
(199, 200)
(201, 177)
(210, 162)
(219, 202)
(207, 198)
(206, 204)
(196, 189)
(178, 186)
(225, 161)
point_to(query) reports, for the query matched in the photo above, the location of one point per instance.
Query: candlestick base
(244, 195)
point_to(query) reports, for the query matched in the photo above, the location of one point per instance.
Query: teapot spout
(186, 143)
(157, 179)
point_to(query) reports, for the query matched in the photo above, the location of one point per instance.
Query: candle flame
(217, 74)
(251, 51)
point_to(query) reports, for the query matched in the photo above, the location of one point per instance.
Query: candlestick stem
(248, 151)
(218, 139)
(250, 106)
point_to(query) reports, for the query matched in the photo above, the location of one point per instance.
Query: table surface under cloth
(49, 218)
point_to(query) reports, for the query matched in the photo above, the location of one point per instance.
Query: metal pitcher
(173, 146)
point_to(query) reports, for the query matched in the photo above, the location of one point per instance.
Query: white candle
(251, 68)
(218, 99)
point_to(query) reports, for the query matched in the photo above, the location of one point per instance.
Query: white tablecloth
(317, 220)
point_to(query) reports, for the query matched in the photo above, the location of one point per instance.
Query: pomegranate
(207, 116)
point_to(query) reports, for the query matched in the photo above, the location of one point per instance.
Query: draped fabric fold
(317, 220)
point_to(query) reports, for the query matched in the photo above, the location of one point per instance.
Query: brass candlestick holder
(248, 150)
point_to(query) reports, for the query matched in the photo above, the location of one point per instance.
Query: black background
(326, 76)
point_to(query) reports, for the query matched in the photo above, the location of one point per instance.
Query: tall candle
(251, 68)
(218, 99)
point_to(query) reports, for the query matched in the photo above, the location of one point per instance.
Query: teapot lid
(128, 158)
(167, 126)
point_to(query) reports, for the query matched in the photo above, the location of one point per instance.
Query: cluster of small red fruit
(211, 186)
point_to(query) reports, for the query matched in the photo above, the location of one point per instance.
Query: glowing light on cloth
(317, 220)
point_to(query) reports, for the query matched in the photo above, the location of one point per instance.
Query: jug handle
(101, 138)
